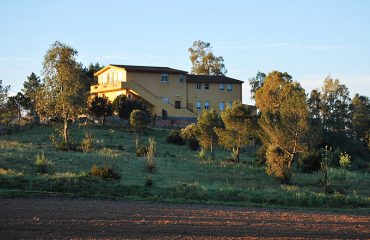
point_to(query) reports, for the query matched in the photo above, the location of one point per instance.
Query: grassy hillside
(179, 177)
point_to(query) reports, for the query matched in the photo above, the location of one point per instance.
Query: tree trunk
(237, 154)
(212, 155)
(65, 131)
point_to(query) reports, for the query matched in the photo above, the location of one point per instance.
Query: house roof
(211, 79)
(133, 68)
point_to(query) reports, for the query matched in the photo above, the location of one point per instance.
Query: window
(165, 100)
(229, 87)
(164, 77)
(129, 96)
(199, 86)
(229, 103)
(206, 105)
(221, 87)
(206, 86)
(104, 78)
(182, 78)
(177, 104)
(199, 105)
(120, 76)
(222, 106)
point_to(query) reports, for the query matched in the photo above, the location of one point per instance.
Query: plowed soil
(63, 218)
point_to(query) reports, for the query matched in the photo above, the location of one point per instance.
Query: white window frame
(199, 86)
(164, 78)
(221, 106)
(199, 105)
(120, 76)
(206, 105)
(206, 86)
(104, 78)
(221, 86)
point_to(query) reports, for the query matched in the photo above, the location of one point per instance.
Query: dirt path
(57, 218)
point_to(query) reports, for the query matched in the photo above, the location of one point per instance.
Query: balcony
(108, 87)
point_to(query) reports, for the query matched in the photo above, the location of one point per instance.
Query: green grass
(179, 176)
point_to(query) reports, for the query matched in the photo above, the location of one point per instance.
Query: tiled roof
(132, 68)
(211, 79)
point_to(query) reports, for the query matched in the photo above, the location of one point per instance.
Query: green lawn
(179, 177)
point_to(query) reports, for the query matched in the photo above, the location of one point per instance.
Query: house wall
(213, 95)
(174, 89)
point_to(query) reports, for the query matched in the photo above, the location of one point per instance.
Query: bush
(150, 155)
(175, 138)
(189, 135)
(87, 142)
(105, 172)
(148, 181)
(310, 162)
(41, 163)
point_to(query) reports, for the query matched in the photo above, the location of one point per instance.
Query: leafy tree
(256, 83)
(204, 62)
(315, 120)
(16, 104)
(139, 119)
(239, 128)
(284, 119)
(206, 124)
(30, 88)
(63, 95)
(361, 117)
(3, 99)
(100, 107)
(335, 111)
(89, 72)
(124, 106)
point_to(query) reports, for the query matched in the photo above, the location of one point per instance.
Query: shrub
(105, 172)
(202, 155)
(141, 151)
(42, 163)
(87, 142)
(310, 162)
(189, 135)
(175, 138)
(139, 119)
(344, 160)
(150, 155)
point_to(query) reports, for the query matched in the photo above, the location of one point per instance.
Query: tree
(16, 104)
(139, 119)
(361, 117)
(30, 88)
(100, 107)
(89, 73)
(284, 119)
(204, 62)
(335, 112)
(315, 120)
(3, 99)
(239, 128)
(124, 106)
(63, 95)
(256, 83)
(206, 124)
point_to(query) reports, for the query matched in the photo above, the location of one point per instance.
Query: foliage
(139, 119)
(310, 162)
(149, 181)
(63, 95)
(361, 118)
(104, 172)
(204, 62)
(150, 155)
(240, 128)
(202, 154)
(30, 88)
(284, 119)
(344, 160)
(89, 73)
(175, 138)
(326, 159)
(206, 123)
(124, 106)
(87, 143)
(16, 104)
(256, 83)
(189, 134)
(3, 98)
(42, 163)
(100, 107)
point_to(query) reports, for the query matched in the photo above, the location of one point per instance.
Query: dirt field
(51, 217)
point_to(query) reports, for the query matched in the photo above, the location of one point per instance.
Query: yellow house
(167, 91)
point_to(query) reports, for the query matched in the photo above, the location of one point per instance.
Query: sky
(308, 39)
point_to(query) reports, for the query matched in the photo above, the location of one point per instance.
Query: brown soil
(56, 218)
